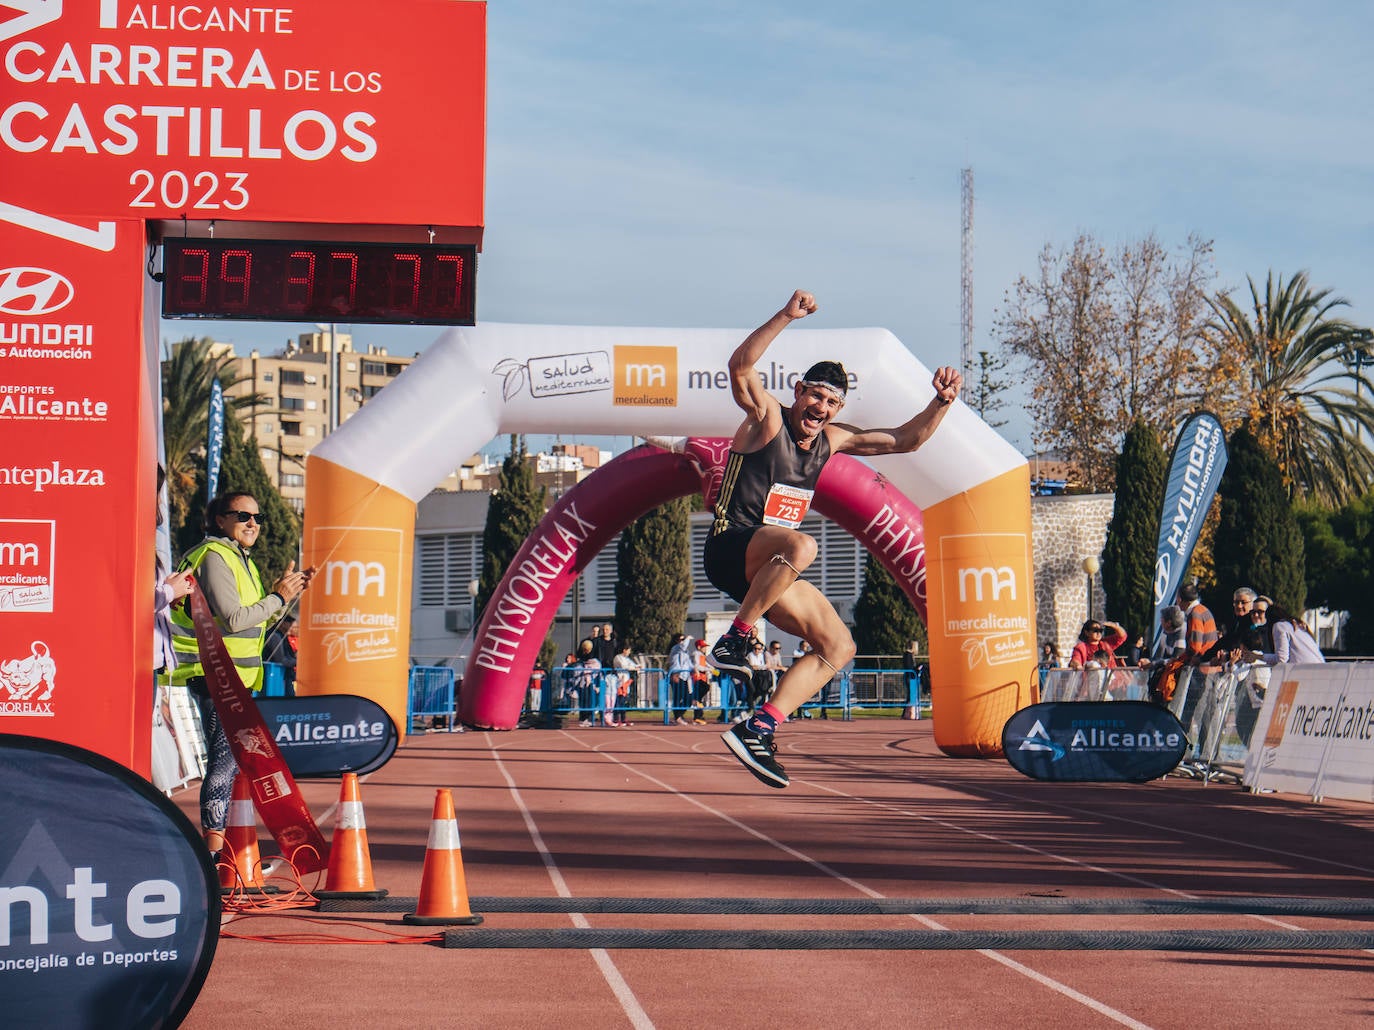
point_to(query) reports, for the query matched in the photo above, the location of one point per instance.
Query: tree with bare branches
(1110, 338)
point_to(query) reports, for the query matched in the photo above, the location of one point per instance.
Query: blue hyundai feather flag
(1195, 470)
(214, 444)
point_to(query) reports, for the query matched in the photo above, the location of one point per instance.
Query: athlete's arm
(908, 436)
(745, 385)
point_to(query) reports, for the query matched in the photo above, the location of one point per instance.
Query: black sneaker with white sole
(731, 653)
(755, 751)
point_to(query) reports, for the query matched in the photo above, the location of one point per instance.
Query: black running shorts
(723, 559)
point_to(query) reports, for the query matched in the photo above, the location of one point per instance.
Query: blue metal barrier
(431, 694)
(560, 696)
(860, 688)
(870, 688)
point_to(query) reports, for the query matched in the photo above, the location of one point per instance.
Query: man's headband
(829, 374)
(837, 391)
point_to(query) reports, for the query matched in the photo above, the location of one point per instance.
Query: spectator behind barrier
(1293, 641)
(1092, 638)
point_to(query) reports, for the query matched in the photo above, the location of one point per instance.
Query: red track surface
(874, 810)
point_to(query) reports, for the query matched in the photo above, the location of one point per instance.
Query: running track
(874, 812)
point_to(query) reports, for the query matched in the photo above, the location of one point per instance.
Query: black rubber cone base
(376, 895)
(417, 920)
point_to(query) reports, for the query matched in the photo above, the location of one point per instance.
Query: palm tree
(188, 369)
(1284, 371)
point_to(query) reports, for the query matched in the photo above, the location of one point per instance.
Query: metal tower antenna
(966, 275)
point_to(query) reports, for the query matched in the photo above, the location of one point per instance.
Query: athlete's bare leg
(775, 559)
(803, 611)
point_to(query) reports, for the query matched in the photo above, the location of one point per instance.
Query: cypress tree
(241, 469)
(1128, 559)
(1338, 551)
(654, 559)
(884, 620)
(1258, 542)
(513, 514)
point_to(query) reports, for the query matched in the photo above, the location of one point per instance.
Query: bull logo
(252, 742)
(22, 678)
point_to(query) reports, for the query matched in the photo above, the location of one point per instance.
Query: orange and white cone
(240, 864)
(443, 897)
(350, 864)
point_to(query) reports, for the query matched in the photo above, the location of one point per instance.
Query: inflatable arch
(475, 383)
(584, 520)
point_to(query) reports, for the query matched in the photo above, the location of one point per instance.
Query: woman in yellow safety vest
(234, 593)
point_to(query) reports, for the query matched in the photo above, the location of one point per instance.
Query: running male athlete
(756, 553)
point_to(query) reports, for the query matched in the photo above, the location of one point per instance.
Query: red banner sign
(345, 111)
(275, 794)
(76, 560)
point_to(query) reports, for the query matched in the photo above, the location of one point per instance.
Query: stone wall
(1064, 531)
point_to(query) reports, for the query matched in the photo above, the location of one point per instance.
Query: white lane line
(1363, 870)
(638, 1018)
(1101, 1008)
(901, 809)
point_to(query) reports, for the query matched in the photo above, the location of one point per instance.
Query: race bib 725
(786, 505)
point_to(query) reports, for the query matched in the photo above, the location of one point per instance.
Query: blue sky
(689, 164)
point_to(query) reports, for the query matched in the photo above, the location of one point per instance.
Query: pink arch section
(518, 616)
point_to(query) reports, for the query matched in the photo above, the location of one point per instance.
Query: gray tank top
(770, 486)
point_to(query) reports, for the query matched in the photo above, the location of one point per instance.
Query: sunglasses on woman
(244, 516)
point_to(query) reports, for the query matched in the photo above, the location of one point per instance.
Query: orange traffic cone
(443, 897)
(240, 864)
(350, 865)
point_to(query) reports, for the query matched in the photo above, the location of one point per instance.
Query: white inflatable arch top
(479, 382)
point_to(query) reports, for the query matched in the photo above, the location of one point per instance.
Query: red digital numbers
(236, 270)
(194, 272)
(350, 289)
(298, 281)
(400, 293)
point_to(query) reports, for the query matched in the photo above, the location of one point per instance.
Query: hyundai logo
(33, 291)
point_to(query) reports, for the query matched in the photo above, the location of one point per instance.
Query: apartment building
(308, 399)
(313, 387)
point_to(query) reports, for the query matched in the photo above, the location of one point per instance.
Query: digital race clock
(284, 281)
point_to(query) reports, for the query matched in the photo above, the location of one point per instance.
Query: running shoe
(731, 653)
(755, 751)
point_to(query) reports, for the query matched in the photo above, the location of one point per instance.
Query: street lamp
(1356, 357)
(474, 585)
(1090, 566)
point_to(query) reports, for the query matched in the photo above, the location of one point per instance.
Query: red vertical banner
(76, 489)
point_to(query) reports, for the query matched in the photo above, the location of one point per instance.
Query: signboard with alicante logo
(331, 734)
(109, 906)
(1094, 741)
(75, 556)
(202, 111)
(115, 114)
